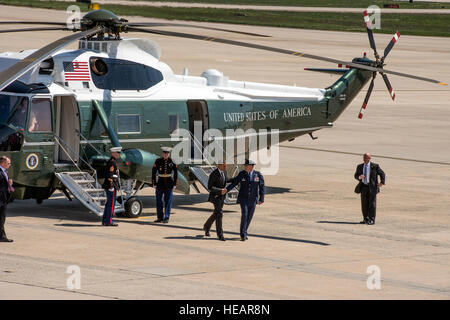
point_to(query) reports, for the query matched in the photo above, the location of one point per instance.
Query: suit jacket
(375, 171)
(4, 191)
(250, 191)
(215, 185)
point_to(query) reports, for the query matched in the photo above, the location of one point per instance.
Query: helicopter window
(40, 115)
(128, 123)
(123, 75)
(13, 110)
(98, 129)
(173, 123)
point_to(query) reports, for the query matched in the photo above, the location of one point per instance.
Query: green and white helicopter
(61, 110)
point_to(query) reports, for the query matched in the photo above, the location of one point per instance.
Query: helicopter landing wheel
(133, 207)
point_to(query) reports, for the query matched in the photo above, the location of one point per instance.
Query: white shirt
(4, 172)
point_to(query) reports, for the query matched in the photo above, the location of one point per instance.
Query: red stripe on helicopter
(396, 36)
(366, 19)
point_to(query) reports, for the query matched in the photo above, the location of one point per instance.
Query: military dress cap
(115, 149)
(166, 149)
(249, 162)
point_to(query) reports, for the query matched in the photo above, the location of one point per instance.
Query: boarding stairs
(84, 187)
(202, 173)
(83, 184)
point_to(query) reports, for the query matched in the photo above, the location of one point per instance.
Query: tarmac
(305, 241)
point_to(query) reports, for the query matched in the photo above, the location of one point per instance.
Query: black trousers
(368, 203)
(2, 221)
(216, 216)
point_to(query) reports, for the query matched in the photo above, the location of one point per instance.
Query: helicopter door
(67, 128)
(198, 112)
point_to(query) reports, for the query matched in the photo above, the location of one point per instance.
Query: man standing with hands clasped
(251, 193)
(367, 173)
(6, 189)
(164, 179)
(111, 185)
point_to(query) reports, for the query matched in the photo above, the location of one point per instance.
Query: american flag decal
(76, 71)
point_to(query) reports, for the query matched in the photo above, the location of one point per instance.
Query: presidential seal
(32, 161)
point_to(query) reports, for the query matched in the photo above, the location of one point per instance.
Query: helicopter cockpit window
(13, 113)
(118, 74)
(13, 110)
(40, 115)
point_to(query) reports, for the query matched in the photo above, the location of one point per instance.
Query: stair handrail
(88, 142)
(200, 147)
(58, 140)
(236, 167)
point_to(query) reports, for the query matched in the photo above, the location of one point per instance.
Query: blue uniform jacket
(250, 191)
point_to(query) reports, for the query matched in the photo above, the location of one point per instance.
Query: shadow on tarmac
(199, 237)
(338, 222)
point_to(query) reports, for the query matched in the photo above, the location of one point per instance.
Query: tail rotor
(379, 62)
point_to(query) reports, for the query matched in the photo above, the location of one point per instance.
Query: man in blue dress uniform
(164, 178)
(250, 194)
(111, 185)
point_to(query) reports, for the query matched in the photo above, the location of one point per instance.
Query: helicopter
(61, 110)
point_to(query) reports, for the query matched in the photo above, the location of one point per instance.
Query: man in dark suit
(5, 193)
(367, 174)
(250, 194)
(216, 186)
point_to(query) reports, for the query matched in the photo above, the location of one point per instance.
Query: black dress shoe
(158, 220)
(166, 221)
(371, 222)
(221, 238)
(6, 240)
(206, 232)
(363, 222)
(243, 239)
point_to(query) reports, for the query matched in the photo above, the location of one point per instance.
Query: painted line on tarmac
(373, 155)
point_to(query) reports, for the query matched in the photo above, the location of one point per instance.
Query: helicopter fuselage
(122, 87)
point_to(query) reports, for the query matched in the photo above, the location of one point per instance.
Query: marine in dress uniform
(367, 174)
(216, 186)
(164, 178)
(111, 186)
(250, 194)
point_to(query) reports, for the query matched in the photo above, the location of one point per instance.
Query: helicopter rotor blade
(388, 85)
(155, 24)
(283, 51)
(370, 33)
(15, 71)
(34, 29)
(391, 44)
(254, 46)
(34, 22)
(366, 99)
